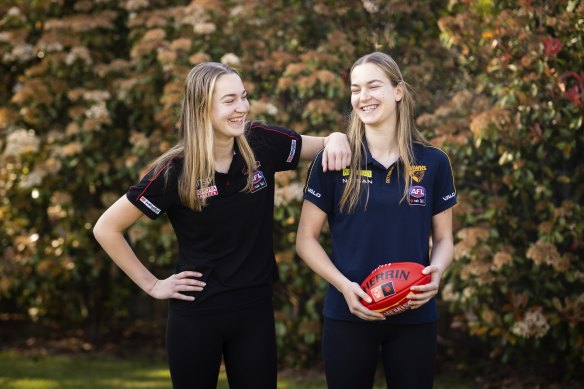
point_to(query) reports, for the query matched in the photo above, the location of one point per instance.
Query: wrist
(152, 287)
(344, 285)
(325, 141)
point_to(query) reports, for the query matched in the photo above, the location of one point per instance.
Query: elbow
(302, 241)
(100, 230)
(299, 246)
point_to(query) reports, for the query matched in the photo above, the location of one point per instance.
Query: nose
(242, 106)
(364, 94)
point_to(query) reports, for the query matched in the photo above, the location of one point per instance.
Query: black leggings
(245, 338)
(351, 351)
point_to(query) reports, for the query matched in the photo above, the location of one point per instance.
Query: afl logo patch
(259, 181)
(417, 195)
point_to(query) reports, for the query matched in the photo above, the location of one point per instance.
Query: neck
(382, 145)
(223, 152)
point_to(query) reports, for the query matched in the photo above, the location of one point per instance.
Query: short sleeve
(319, 188)
(156, 193)
(444, 189)
(281, 143)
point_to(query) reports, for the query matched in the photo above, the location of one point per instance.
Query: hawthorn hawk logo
(417, 172)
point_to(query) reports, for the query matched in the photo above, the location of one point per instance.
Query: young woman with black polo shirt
(217, 188)
(373, 222)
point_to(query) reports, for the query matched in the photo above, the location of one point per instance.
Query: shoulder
(428, 154)
(317, 160)
(260, 130)
(169, 169)
(315, 169)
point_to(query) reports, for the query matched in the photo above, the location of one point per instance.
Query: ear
(399, 91)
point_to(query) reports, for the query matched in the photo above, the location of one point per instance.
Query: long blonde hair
(196, 137)
(407, 133)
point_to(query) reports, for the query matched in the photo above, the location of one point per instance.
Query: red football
(389, 284)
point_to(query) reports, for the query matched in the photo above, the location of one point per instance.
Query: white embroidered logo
(292, 151)
(313, 192)
(448, 197)
(149, 205)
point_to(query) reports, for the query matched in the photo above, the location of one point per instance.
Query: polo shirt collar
(369, 160)
(237, 163)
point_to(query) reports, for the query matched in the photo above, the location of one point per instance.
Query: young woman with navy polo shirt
(217, 188)
(374, 220)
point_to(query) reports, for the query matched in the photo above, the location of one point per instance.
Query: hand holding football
(389, 285)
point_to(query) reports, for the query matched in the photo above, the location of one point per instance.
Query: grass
(99, 372)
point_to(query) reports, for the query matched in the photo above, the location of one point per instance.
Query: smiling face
(229, 106)
(373, 96)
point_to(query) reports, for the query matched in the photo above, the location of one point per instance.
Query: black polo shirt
(230, 240)
(387, 231)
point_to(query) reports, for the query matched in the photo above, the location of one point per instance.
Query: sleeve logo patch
(292, 151)
(149, 205)
(313, 192)
(448, 197)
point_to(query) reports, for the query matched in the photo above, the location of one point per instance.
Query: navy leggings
(352, 349)
(245, 338)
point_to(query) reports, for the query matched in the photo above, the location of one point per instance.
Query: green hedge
(89, 95)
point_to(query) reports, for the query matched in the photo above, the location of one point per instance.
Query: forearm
(310, 146)
(116, 246)
(310, 250)
(442, 254)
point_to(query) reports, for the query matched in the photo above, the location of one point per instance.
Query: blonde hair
(407, 133)
(196, 137)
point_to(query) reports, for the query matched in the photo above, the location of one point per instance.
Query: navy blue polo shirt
(230, 240)
(387, 230)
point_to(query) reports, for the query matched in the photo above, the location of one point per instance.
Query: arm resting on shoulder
(337, 151)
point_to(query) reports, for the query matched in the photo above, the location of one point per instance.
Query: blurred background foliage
(89, 97)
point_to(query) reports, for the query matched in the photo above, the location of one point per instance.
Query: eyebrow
(232, 95)
(368, 82)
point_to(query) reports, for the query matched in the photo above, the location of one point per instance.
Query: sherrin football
(388, 286)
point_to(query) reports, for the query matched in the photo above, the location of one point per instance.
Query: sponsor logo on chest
(259, 181)
(208, 191)
(417, 172)
(364, 173)
(417, 195)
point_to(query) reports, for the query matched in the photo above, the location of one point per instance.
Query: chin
(369, 121)
(238, 131)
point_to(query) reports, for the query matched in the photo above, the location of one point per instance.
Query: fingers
(361, 293)
(346, 159)
(357, 308)
(186, 274)
(189, 288)
(366, 314)
(425, 288)
(420, 295)
(184, 297)
(335, 160)
(177, 283)
(415, 304)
